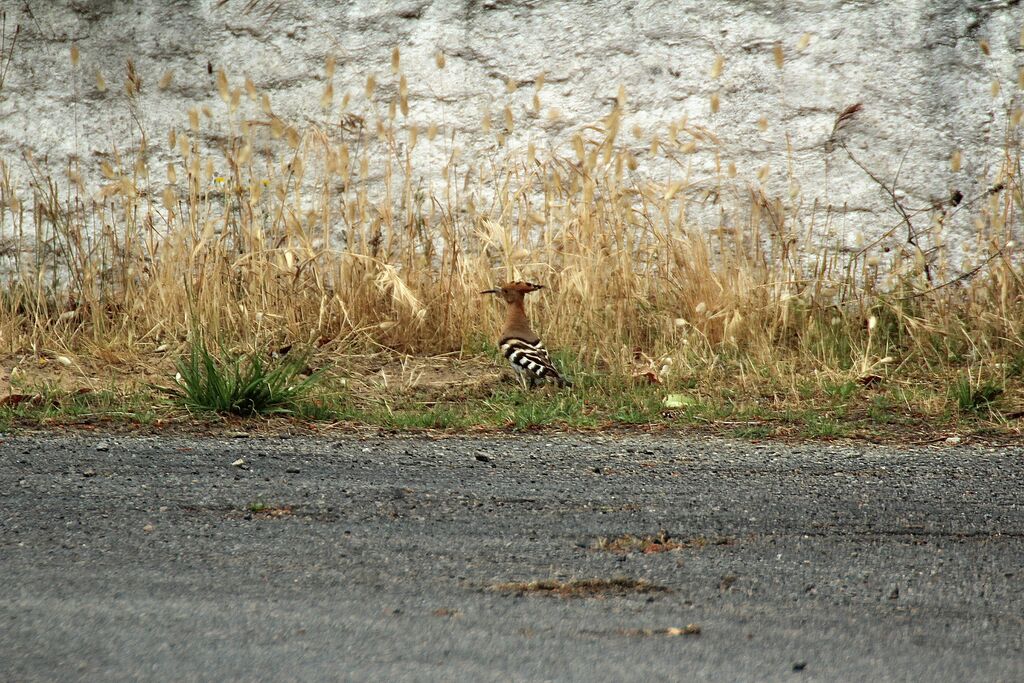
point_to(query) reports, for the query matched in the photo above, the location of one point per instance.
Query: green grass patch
(46, 405)
(225, 389)
(245, 384)
(817, 426)
(974, 397)
(426, 417)
(752, 432)
(881, 410)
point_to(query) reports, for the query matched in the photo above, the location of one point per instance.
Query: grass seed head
(222, 86)
(165, 80)
(168, 198)
(717, 66)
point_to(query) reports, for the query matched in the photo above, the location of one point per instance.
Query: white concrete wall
(917, 66)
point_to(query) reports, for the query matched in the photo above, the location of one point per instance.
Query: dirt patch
(260, 511)
(439, 378)
(581, 588)
(263, 512)
(671, 631)
(661, 543)
(426, 380)
(27, 373)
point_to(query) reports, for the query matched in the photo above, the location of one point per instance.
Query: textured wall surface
(924, 69)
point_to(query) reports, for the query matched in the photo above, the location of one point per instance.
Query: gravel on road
(550, 557)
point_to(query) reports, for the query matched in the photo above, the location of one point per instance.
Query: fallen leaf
(678, 401)
(688, 630)
(18, 399)
(650, 376)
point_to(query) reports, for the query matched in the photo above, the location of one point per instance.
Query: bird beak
(489, 291)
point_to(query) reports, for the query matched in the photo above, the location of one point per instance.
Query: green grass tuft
(974, 398)
(244, 384)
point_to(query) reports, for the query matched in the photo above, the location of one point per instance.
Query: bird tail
(532, 359)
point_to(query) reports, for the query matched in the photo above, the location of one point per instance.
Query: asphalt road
(390, 559)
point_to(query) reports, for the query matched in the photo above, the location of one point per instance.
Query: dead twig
(897, 205)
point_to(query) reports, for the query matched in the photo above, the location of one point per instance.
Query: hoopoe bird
(519, 343)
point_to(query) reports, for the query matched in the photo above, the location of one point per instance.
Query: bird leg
(524, 379)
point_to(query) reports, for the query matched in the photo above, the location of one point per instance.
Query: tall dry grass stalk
(323, 233)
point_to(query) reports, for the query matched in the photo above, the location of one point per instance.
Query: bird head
(514, 291)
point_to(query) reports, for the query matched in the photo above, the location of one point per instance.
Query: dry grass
(262, 232)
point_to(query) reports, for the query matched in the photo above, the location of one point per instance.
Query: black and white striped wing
(529, 358)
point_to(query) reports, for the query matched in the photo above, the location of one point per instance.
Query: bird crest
(518, 286)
